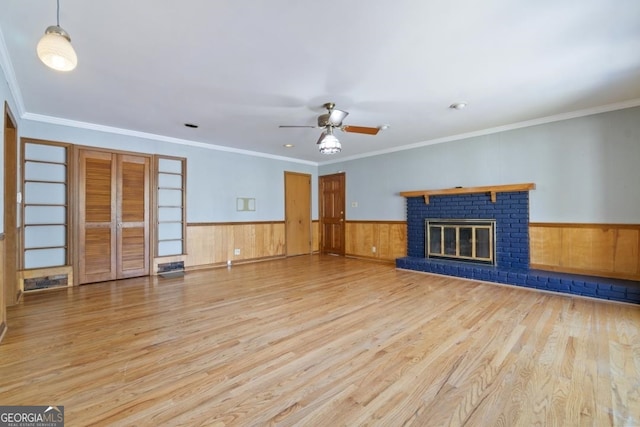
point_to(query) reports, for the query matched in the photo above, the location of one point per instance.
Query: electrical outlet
(236, 251)
(373, 249)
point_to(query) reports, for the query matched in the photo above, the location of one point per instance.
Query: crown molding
(155, 137)
(518, 125)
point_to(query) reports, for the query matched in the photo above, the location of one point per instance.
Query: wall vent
(170, 266)
(56, 281)
(171, 269)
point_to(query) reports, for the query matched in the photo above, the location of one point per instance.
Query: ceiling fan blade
(360, 129)
(336, 117)
(296, 126)
(322, 135)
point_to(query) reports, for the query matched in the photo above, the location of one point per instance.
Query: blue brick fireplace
(510, 210)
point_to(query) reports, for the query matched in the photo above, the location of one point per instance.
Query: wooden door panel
(133, 216)
(98, 253)
(331, 234)
(133, 203)
(96, 217)
(332, 205)
(113, 216)
(133, 256)
(98, 191)
(297, 213)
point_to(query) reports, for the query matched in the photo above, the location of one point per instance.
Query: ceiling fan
(328, 143)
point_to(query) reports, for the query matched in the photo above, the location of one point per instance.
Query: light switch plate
(245, 204)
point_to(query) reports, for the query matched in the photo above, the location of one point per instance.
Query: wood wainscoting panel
(626, 255)
(214, 243)
(269, 240)
(360, 238)
(389, 238)
(607, 250)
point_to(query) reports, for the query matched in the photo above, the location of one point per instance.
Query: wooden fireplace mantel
(491, 189)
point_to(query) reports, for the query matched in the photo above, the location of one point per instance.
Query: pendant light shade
(330, 144)
(55, 50)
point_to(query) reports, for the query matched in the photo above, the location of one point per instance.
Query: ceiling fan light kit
(328, 143)
(54, 48)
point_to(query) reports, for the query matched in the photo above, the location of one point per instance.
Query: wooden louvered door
(97, 217)
(113, 216)
(132, 216)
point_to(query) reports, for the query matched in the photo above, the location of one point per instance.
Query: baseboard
(367, 258)
(233, 262)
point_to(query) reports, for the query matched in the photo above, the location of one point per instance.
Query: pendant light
(54, 48)
(329, 144)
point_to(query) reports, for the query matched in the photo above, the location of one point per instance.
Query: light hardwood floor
(322, 341)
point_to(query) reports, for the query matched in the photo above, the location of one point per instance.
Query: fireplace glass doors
(462, 240)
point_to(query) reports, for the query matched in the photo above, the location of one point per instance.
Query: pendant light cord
(58, 13)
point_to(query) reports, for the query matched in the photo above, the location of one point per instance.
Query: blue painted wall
(585, 170)
(215, 178)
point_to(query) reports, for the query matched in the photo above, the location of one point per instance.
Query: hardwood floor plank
(322, 340)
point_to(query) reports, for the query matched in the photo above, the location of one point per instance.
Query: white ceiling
(239, 69)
